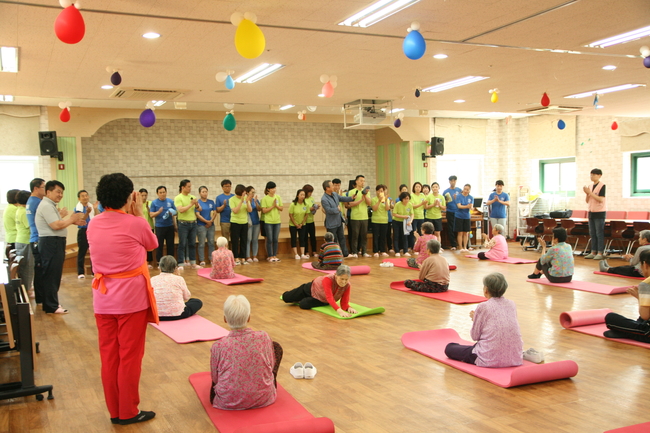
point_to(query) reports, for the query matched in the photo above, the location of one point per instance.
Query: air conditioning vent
(133, 94)
(553, 109)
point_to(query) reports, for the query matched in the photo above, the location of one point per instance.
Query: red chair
(638, 215)
(579, 214)
(638, 227)
(616, 233)
(531, 225)
(616, 215)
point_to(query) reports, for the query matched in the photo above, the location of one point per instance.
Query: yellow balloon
(249, 39)
(495, 97)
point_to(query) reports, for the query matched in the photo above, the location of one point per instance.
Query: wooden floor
(367, 382)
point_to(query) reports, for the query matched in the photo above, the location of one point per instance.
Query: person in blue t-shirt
(451, 194)
(223, 208)
(205, 220)
(464, 203)
(498, 201)
(163, 210)
(82, 240)
(37, 188)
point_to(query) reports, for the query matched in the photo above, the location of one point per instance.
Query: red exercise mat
(239, 279)
(584, 286)
(433, 343)
(592, 322)
(620, 276)
(449, 296)
(401, 263)
(194, 328)
(285, 415)
(511, 260)
(355, 270)
(637, 428)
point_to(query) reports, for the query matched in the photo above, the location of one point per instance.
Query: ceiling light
(396, 110)
(603, 91)
(455, 83)
(8, 59)
(609, 67)
(158, 103)
(622, 38)
(286, 107)
(107, 87)
(7, 98)
(600, 106)
(321, 95)
(440, 56)
(256, 74)
(377, 12)
(151, 35)
(459, 101)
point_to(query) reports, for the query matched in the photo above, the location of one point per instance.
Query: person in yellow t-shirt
(240, 205)
(146, 209)
(403, 211)
(187, 229)
(358, 225)
(380, 207)
(418, 200)
(271, 208)
(311, 226)
(436, 203)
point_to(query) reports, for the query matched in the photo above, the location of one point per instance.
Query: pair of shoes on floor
(352, 256)
(590, 256)
(407, 255)
(386, 264)
(244, 262)
(299, 371)
(532, 355)
(141, 417)
(599, 257)
(534, 276)
(397, 254)
(603, 266)
(463, 250)
(384, 254)
(366, 255)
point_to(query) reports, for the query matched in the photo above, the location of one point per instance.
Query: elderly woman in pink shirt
(223, 261)
(173, 298)
(498, 247)
(123, 298)
(420, 247)
(244, 364)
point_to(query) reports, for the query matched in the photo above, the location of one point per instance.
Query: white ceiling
(198, 41)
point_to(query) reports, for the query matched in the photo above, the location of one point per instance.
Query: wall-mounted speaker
(437, 146)
(48, 143)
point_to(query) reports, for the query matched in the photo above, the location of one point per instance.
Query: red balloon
(614, 126)
(546, 101)
(69, 25)
(64, 116)
(328, 90)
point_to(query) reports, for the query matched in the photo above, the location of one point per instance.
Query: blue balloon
(561, 124)
(414, 45)
(229, 122)
(116, 79)
(397, 123)
(646, 62)
(147, 118)
(230, 83)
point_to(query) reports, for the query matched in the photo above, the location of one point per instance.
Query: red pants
(121, 347)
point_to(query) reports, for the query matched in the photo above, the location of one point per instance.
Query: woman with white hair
(498, 247)
(173, 298)
(634, 269)
(244, 364)
(223, 261)
(325, 290)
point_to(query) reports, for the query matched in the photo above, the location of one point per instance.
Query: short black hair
(11, 196)
(202, 187)
(52, 184)
(182, 184)
(358, 176)
(226, 182)
(161, 187)
(35, 183)
(113, 190)
(80, 191)
(143, 190)
(435, 183)
(453, 177)
(559, 233)
(336, 181)
(22, 197)
(240, 189)
(416, 183)
(645, 257)
(403, 186)
(404, 195)
(499, 182)
(597, 171)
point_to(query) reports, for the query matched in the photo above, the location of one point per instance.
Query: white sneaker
(384, 264)
(397, 254)
(305, 256)
(376, 255)
(244, 262)
(202, 264)
(533, 356)
(384, 255)
(310, 370)
(407, 255)
(297, 371)
(297, 257)
(366, 255)
(81, 276)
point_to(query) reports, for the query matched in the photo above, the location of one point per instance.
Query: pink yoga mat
(239, 279)
(401, 263)
(620, 276)
(433, 343)
(285, 415)
(585, 286)
(592, 322)
(511, 260)
(356, 270)
(449, 296)
(637, 428)
(194, 328)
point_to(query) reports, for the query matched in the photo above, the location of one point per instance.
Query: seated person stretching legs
(331, 256)
(498, 247)
(634, 268)
(557, 262)
(434, 272)
(173, 299)
(420, 247)
(223, 261)
(244, 364)
(639, 329)
(325, 290)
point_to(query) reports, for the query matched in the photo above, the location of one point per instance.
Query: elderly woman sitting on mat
(557, 263)
(498, 247)
(244, 364)
(434, 272)
(325, 290)
(223, 261)
(330, 257)
(173, 299)
(420, 246)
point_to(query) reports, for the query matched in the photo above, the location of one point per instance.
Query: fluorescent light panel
(622, 38)
(8, 59)
(286, 107)
(158, 103)
(256, 74)
(376, 12)
(603, 91)
(396, 110)
(6, 98)
(456, 83)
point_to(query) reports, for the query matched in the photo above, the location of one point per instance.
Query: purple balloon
(116, 79)
(397, 123)
(147, 118)
(646, 62)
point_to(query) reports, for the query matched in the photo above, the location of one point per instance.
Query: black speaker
(437, 146)
(48, 143)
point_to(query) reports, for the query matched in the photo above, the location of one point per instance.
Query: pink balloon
(328, 90)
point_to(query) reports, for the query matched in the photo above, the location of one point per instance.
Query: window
(15, 173)
(640, 171)
(558, 176)
(468, 169)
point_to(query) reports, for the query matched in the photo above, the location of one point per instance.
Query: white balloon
(250, 16)
(311, 108)
(644, 48)
(65, 3)
(409, 30)
(236, 18)
(333, 84)
(333, 79)
(496, 90)
(77, 4)
(150, 105)
(415, 25)
(400, 115)
(221, 76)
(324, 78)
(490, 91)
(62, 105)
(299, 116)
(229, 106)
(645, 51)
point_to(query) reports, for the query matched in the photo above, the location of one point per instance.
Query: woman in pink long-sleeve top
(497, 246)
(495, 330)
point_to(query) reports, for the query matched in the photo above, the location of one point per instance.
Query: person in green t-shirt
(146, 209)
(418, 200)
(186, 204)
(240, 205)
(23, 234)
(358, 225)
(436, 203)
(271, 208)
(380, 207)
(401, 212)
(298, 213)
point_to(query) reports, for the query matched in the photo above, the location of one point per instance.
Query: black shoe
(613, 334)
(534, 276)
(141, 417)
(115, 420)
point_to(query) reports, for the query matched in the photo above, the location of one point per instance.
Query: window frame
(542, 163)
(634, 157)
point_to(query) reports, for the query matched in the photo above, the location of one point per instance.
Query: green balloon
(229, 122)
